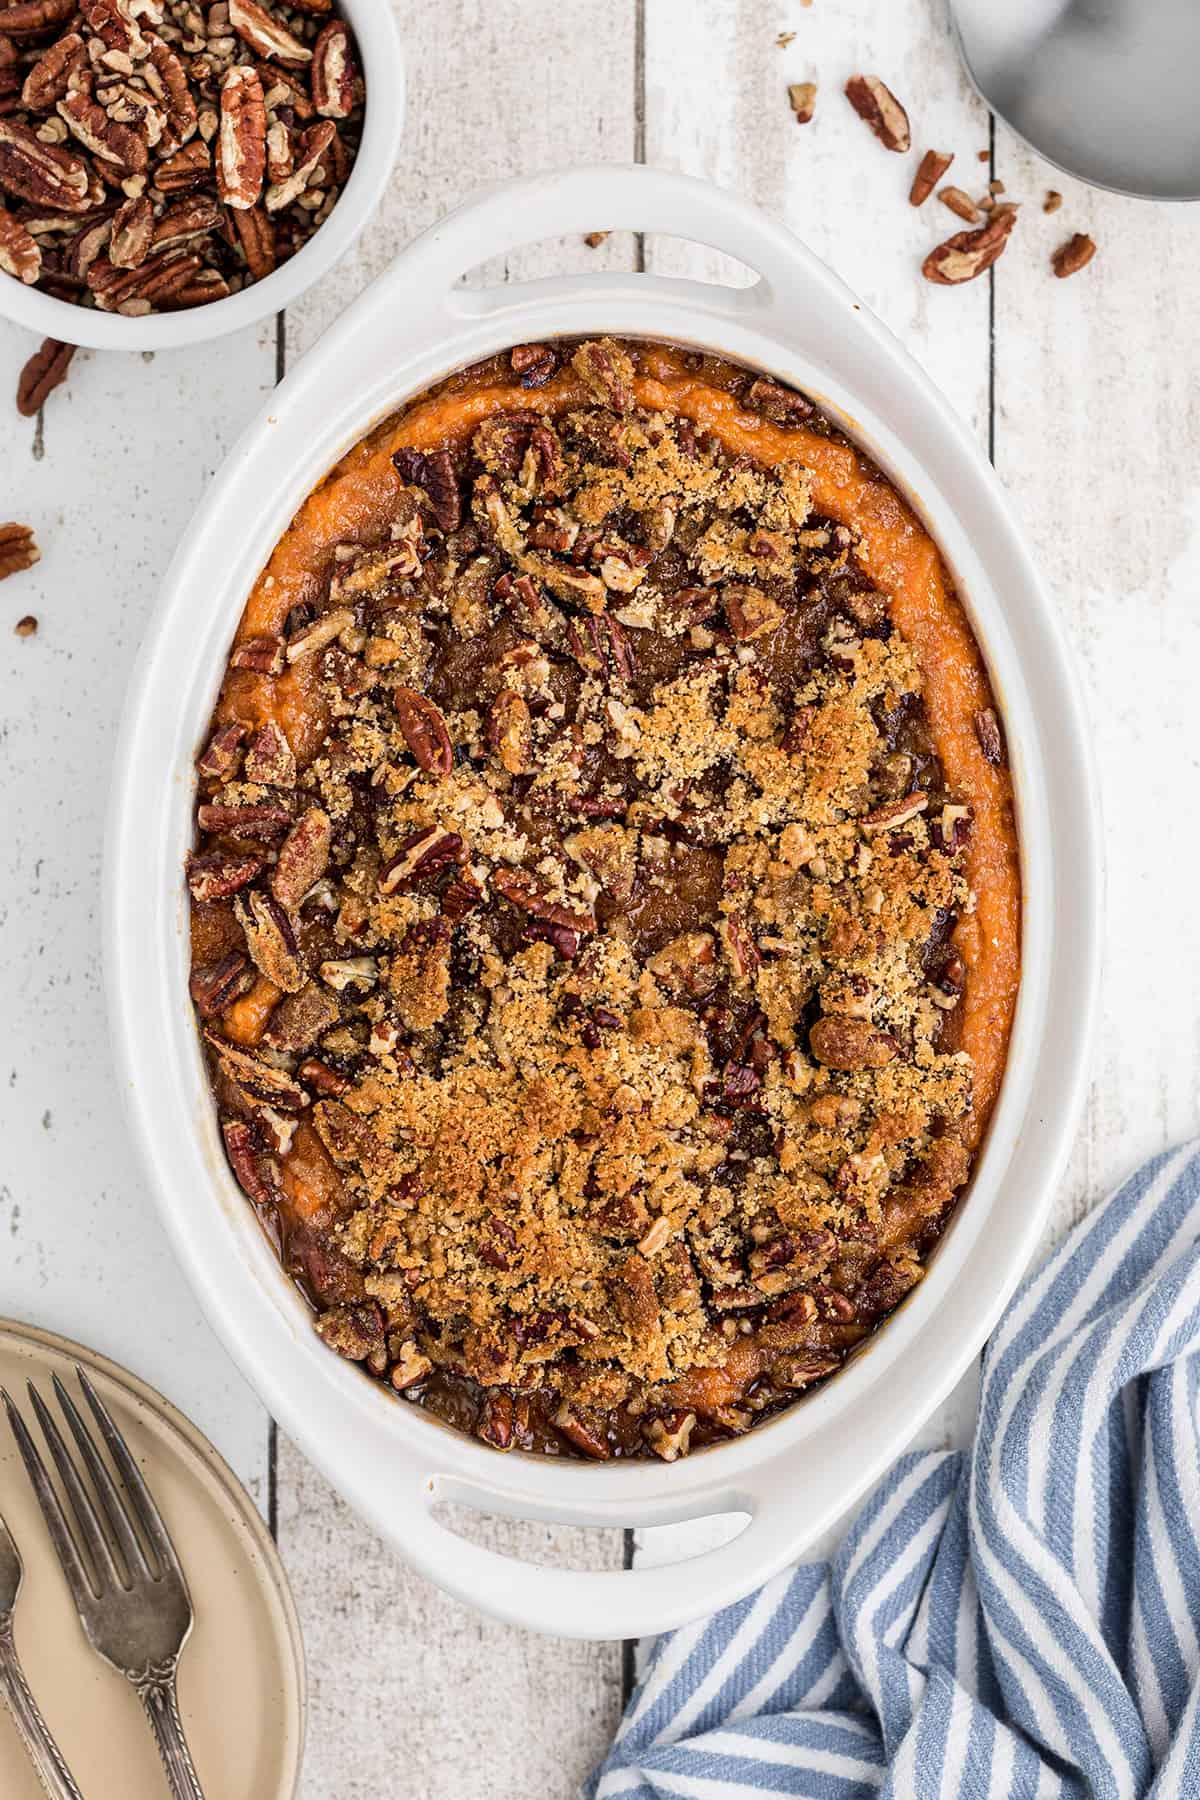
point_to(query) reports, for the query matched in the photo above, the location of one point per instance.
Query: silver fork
(46, 1756)
(134, 1606)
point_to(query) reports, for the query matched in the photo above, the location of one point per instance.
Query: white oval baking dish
(795, 1474)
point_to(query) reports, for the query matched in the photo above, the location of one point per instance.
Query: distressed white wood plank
(412, 1693)
(1097, 439)
(717, 107)
(109, 483)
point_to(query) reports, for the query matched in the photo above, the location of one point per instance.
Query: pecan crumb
(1053, 201)
(26, 627)
(933, 166)
(960, 203)
(594, 239)
(802, 98)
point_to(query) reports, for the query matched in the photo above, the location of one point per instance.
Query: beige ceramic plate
(241, 1676)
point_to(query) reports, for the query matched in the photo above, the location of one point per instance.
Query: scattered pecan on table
(45, 370)
(160, 154)
(18, 549)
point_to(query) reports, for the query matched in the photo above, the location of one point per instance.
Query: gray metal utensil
(1105, 89)
(46, 1756)
(121, 1566)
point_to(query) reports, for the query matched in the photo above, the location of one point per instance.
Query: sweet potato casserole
(605, 924)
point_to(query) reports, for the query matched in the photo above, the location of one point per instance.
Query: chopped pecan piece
(802, 98)
(933, 166)
(264, 655)
(219, 984)
(510, 732)
(189, 167)
(525, 891)
(875, 103)
(991, 738)
(421, 855)
(305, 172)
(121, 148)
(781, 405)
(269, 758)
(355, 1332)
(581, 1426)
(751, 612)
(960, 203)
(969, 253)
(259, 1079)
(1074, 255)
(668, 1435)
(533, 364)
(607, 372)
(435, 473)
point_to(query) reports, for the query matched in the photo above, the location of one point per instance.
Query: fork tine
(107, 1576)
(114, 1507)
(131, 1475)
(78, 1579)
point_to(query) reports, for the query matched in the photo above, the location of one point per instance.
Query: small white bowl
(382, 60)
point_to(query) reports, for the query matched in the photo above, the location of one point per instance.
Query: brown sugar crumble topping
(610, 1091)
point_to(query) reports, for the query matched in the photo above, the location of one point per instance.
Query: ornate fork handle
(156, 1691)
(47, 1758)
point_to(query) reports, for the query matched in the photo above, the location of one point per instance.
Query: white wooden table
(1085, 391)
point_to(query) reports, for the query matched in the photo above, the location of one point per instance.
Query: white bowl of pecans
(172, 170)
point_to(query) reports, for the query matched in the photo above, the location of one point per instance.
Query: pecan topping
(301, 1018)
(895, 812)
(242, 143)
(424, 731)
(263, 824)
(751, 612)
(991, 739)
(781, 405)
(18, 550)
(247, 1163)
(265, 655)
(258, 1079)
(968, 253)
(219, 984)
(20, 255)
(533, 364)
(607, 372)
(303, 858)
(802, 98)
(266, 36)
(875, 103)
(510, 732)
(269, 758)
(422, 854)
(271, 940)
(333, 72)
(933, 166)
(215, 874)
(842, 1043)
(220, 756)
(1074, 255)
(435, 474)
(526, 892)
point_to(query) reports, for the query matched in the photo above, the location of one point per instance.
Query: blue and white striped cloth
(1021, 1620)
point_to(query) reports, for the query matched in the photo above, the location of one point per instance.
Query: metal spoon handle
(158, 1697)
(45, 1754)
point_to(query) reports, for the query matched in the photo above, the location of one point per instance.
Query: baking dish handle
(598, 1604)
(617, 197)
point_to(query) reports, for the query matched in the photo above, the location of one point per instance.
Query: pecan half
(174, 92)
(1070, 257)
(271, 940)
(256, 234)
(266, 36)
(842, 1043)
(118, 146)
(43, 174)
(424, 731)
(875, 103)
(932, 167)
(968, 253)
(463, 896)
(132, 233)
(20, 253)
(242, 141)
(510, 732)
(269, 758)
(528, 894)
(895, 812)
(247, 1162)
(50, 76)
(18, 550)
(434, 473)
(333, 72)
(313, 146)
(186, 222)
(802, 98)
(301, 1018)
(45, 370)
(187, 168)
(36, 18)
(135, 292)
(303, 858)
(215, 874)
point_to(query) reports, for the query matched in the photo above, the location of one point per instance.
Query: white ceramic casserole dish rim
(377, 35)
(796, 1473)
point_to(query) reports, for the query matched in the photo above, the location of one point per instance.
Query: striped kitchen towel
(1020, 1620)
